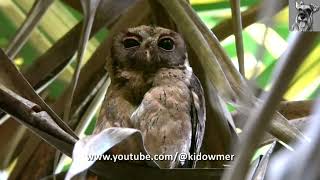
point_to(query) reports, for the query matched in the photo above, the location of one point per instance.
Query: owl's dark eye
(130, 42)
(166, 44)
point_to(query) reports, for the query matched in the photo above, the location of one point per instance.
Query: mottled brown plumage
(154, 90)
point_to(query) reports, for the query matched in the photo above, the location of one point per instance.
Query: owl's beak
(148, 56)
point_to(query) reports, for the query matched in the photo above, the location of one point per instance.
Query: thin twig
(237, 29)
(261, 116)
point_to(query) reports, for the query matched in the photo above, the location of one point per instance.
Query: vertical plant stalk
(199, 44)
(299, 47)
(89, 11)
(34, 17)
(237, 29)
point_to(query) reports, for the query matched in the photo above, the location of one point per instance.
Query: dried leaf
(261, 170)
(253, 167)
(97, 144)
(30, 114)
(13, 79)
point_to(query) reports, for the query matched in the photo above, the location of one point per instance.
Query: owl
(153, 89)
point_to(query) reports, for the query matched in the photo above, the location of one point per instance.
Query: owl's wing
(198, 116)
(164, 119)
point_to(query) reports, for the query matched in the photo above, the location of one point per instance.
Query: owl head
(147, 48)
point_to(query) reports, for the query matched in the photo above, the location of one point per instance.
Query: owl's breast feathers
(133, 84)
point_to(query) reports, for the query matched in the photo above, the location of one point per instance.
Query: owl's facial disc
(148, 48)
(141, 50)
